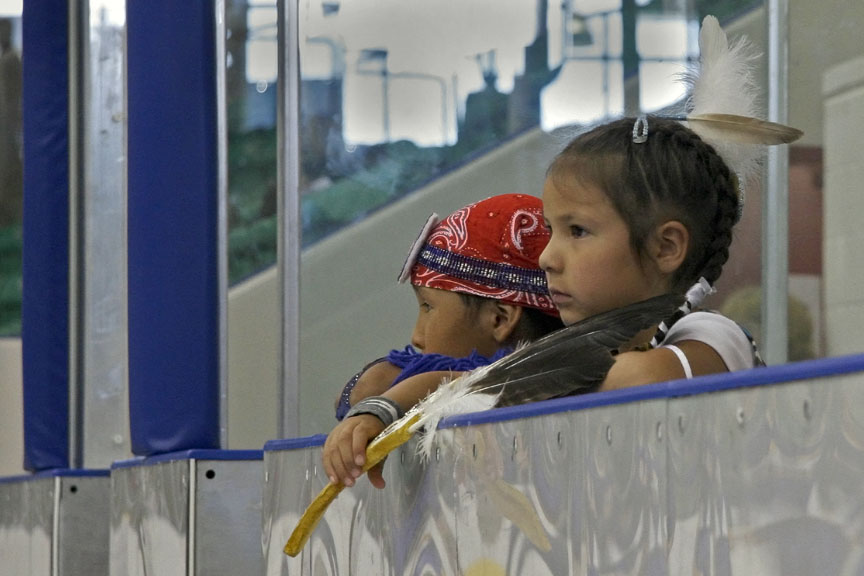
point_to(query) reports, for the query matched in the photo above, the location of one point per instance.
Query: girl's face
(589, 263)
(446, 325)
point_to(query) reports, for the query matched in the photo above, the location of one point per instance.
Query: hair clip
(640, 129)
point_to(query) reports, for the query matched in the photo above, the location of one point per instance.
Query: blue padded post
(172, 226)
(45, 306)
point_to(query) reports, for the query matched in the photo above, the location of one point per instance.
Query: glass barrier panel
(251, 48)
(410, 108)
(253, 297)
(11, 169)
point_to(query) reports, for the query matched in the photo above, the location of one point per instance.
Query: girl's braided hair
(673, 175)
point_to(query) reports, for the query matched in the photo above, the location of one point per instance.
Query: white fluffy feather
(725, 83)
(451, 398)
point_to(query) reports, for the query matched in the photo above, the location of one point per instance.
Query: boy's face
(589, 263)
(446, 325)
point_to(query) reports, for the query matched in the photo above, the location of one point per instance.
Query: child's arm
(345, 448)
(661, 364)
(374, 381)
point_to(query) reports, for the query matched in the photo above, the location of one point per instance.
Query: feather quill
(569, 361)
(742, 130)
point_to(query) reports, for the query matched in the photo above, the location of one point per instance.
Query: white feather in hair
(724, 83)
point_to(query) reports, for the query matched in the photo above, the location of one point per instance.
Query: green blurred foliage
(745, 307)
(10, 280)
(329, 202)
(251, 181)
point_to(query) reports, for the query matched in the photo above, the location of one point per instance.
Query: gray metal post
(98, 354)
(775, 209)
(290, 231)
(222, 236)
(77, 56)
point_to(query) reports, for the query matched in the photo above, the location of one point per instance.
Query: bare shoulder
(661, 365)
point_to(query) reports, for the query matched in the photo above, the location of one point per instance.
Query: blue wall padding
(45, 306)
(173, 226)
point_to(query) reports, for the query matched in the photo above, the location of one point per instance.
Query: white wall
(821, 35)
(843, 237)
(11, 408)
(253, 361)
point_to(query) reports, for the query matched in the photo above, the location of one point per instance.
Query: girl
(637, 208)
(480, 292)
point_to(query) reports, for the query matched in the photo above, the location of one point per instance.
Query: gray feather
(574, 359)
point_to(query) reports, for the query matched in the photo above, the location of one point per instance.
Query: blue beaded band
(344, 402)
(493, 274)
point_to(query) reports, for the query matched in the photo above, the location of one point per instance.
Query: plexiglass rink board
(54, 526)
(753, 480)
(26, 519)
(186, 518)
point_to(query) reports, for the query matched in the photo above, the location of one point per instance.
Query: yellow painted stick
(390, 439)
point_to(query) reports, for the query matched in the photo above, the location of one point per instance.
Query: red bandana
(488, 249)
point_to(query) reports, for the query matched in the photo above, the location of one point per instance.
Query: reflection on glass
(396, 95)
(11, 173)
(251, 94)
(415, 99)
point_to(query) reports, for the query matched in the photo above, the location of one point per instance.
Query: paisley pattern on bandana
(489, 249)
(452, 234)
(522, 223)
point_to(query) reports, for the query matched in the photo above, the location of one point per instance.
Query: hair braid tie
(699, 291)
(695, 296)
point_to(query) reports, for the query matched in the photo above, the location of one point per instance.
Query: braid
(716, 188)
(726, 216)
(707, 258)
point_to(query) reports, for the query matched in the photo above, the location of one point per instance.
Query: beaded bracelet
(382, 408)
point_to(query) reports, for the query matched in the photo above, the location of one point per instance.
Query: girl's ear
(506, 319)
(670, 242)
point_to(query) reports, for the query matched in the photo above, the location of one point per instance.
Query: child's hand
(345, 450)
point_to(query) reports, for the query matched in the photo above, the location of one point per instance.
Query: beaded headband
(489, 249)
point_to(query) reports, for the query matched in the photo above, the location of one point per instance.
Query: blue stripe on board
(793, 372)
(209, 455)
(56, 473)
(295, 443)
(767, 376)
